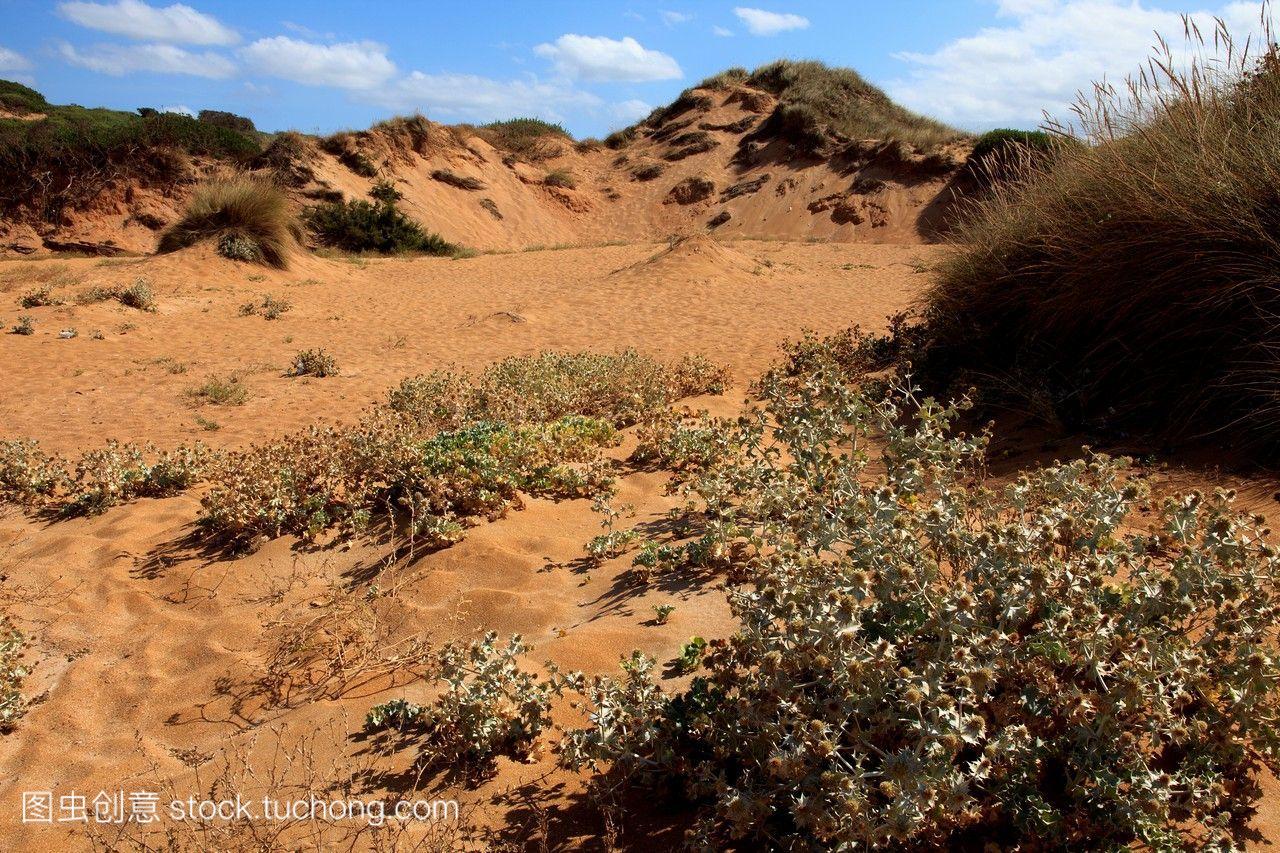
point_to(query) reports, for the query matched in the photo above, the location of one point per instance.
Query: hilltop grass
(97, 146)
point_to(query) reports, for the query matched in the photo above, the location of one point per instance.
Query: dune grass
(249, 218)
(1134, 282)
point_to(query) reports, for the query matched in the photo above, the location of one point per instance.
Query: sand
(157, 662)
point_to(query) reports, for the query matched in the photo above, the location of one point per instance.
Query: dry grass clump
(1133, 283)
(220, 391)
(270, 307)
(453, 179)
(137, 295)
(250, 219)
(560, 178)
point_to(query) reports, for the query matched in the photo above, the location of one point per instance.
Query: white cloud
(605, 59)
(134, 19)
(629, 112)
(473, 98)
(119, 59)
(672, 18)
(11, 60)
(1046, 52)
(722, 32)
(180, 109)
(348, 65)
(761, 23)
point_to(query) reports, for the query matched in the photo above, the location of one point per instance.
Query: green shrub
(378, 226)
(250, 218)
(231, 121)
(925, 660)
(137, 295)
(490, 706)
(995, 140)
(24, 326)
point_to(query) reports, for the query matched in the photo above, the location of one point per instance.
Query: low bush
(231, 121)
(314, 362)
(270, 307)
(448, 448)
(648, 172)
(137, 295)
(249, 218)
(377, 226)
(622, 389)
(38, 298)
(12, 673)
(926, 660)
(99, 479)
(490, 706)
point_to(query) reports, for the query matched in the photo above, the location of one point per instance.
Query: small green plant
(221, 391)
(662, 613)
(690, 655)
(270, 307)
(207, 425)
(24, 326)
(396, 714)
(38, 298)
(314, 362)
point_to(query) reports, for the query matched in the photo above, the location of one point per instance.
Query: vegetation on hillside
(373, 226)
(1133, 283)
(66, 158)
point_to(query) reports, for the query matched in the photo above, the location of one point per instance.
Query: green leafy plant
(24, 326)
(378, 226)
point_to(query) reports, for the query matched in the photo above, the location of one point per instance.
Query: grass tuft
(249, 217)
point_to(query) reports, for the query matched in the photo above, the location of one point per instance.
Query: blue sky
(595, 66)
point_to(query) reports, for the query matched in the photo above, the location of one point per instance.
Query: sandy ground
(159, 665)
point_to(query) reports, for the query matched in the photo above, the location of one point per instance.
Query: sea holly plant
(928, 659)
